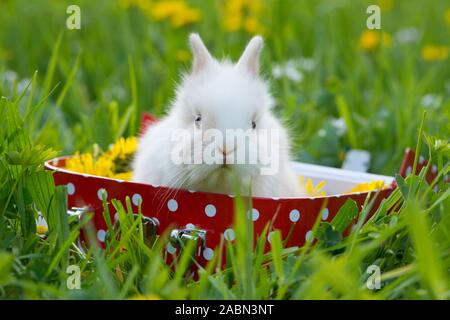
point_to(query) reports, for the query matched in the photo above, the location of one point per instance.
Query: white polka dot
(101, 234)
(100, 193)
(421, 159)
(191, 191)
(408, 171)
(136, 199)
(436, 188)
(269, 236)
(325, 213)
(294, 215)
(208, 253)
(116, 216)
(254, 214)
(170, 248)
(229, 234)
(70, 188)
(190, 226)
(231, 195)
(433, 168)
(172, 204)
(393, 221)
(308, 236)
(210, 210)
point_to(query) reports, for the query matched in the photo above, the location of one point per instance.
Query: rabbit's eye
(253, 124)
(198, 119)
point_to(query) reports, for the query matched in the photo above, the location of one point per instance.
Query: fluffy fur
(225, 96)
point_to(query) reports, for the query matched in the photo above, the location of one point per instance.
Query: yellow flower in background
(165, 9)
(370, 40)
(243, 15)
(368, 186)
(177, 12)
(447, 16)
(310, 189)
(251, 25)
(434, 52)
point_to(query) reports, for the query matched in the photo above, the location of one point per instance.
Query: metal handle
(180, 237)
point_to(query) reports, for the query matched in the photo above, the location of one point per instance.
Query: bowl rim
(350, 176)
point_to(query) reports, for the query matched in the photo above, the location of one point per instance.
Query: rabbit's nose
(226, 151)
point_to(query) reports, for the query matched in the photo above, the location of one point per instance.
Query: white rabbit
(221, 96)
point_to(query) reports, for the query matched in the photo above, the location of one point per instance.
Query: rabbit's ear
(249, 60)
(202, 57)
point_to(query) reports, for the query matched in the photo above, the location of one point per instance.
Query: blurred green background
(338, 85)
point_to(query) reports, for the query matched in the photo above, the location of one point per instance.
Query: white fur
(228, 96)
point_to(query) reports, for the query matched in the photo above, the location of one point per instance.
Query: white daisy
(41, 226)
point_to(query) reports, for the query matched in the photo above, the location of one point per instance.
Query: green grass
(90, 86)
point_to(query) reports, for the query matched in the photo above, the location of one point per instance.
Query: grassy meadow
(338, 87)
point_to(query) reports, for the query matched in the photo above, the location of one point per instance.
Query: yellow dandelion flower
(176, 11)
(370, 40)
(126, 176)
(82, 163)
(235, 6)
(434, 52)
(233, 23)
(368, 186)
(165, 9)
(114, 163)
(251, 25)
(184, 17)
(243, 15)
(123, 148)
(310, 189)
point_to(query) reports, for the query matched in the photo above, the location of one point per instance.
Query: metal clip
(78, 211)
(150, 227)
(180, 237)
